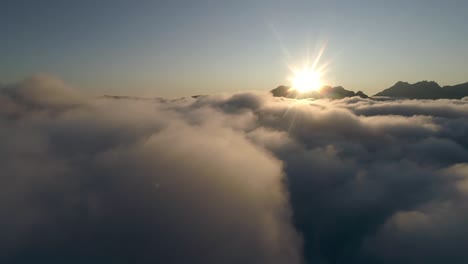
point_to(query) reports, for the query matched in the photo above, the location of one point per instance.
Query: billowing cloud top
(243, 178)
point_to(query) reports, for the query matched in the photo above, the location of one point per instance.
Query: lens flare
(309, 77)
(306, 79)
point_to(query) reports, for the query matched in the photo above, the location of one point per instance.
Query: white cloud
(230, 179)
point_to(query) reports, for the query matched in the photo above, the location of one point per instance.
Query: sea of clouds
(239, 178)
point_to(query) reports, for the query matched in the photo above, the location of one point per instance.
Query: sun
(309, 76)
(306, 79)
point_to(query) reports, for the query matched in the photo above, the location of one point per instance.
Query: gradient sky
(175, 48)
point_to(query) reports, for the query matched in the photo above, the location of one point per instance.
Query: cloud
(243, 178)
(130, 182)
(39, 92)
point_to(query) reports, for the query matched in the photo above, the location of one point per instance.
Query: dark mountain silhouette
(325, 92)
(425, 90)
(456, 91)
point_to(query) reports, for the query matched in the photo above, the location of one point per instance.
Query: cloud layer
(243, 178)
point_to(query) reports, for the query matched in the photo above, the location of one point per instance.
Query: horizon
(88, 93)
(175, 48)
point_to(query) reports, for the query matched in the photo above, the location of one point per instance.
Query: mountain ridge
(418, 90)
(328, 92)
(425, 90)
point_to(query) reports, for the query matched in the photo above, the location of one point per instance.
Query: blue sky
(174, 48)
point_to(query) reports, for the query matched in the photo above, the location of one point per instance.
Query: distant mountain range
(425, 90)
(419, 90)
(325, 92)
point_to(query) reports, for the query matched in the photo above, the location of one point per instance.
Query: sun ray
(309, 77)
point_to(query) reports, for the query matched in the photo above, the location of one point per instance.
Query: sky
(179, 48)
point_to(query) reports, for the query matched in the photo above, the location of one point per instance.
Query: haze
(178, 48)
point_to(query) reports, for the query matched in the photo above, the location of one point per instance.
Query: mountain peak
(401, 83)
(329, 92)
(425, 90)
(427, 84)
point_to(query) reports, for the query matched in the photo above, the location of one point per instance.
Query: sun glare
(306, 80)
(309, 77)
